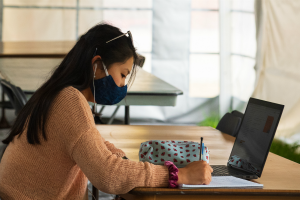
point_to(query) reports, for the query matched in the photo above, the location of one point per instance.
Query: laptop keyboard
(223, 170)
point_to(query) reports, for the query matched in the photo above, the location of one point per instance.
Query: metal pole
(77, 18)
(113, 115)
(225, 56)
(127, 118)
(1, 19)
(101, 110)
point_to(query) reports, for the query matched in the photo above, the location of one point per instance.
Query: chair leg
(95, 193)
(113, 115)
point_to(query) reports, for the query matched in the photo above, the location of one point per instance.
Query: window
(204, 48)
(66, 20)
(243, 48)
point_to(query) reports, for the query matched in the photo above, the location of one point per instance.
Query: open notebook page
(225, 182)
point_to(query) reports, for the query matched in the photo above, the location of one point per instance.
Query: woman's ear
(95, 59)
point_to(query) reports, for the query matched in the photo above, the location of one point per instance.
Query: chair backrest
(140, 60)
(230, 123)
(16, 96)
(237, 114)
(2, 149)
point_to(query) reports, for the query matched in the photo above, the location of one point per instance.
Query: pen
(201, 148)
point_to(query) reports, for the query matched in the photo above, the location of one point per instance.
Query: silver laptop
(251, 147)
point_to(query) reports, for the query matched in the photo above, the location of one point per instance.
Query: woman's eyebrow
(128, 72)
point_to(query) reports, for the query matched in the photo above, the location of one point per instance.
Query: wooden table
(280, 177)
(46, 49)
(147, 89)
(30, 73)
(28, 64)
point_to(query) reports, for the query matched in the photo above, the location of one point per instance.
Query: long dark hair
(75, 70)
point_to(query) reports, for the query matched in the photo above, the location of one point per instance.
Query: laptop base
(223, 170)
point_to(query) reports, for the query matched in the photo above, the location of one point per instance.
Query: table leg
(127, 118)
(95, 193)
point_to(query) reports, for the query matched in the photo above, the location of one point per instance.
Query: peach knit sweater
(73, 153)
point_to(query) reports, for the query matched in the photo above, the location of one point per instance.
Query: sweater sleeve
(110, 173)
(72, 116)
(114, 150)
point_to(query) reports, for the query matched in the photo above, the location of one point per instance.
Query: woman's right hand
(195, 173)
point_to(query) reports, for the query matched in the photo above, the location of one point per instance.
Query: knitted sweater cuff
(160, 177)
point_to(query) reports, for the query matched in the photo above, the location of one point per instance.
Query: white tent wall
(170, 56)
(162, 32)
(278, 59)
(170, 49)
(170, 62)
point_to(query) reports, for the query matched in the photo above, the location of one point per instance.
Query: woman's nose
(122, 84)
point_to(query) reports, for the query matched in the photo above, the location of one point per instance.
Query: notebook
(224, 182)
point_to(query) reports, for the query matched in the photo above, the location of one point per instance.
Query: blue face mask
(106, 92)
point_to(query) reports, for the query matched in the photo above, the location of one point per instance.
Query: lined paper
(224, 182)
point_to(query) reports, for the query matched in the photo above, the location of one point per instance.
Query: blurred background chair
(237, 114)
(15, 95)
(17, 100)
(4, 105)
(230, 123)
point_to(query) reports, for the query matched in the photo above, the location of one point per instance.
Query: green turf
(278, 147)
(212, 121)
(286, 150)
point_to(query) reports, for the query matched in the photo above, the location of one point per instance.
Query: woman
(54, 146)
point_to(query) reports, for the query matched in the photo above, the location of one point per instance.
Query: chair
(17, 99)
(237, 114)
(230, 123)
(16, 96)
(4, 105)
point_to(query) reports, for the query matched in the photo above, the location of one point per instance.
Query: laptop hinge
(241, 169)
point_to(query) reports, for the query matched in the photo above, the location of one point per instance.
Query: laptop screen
(255, 135)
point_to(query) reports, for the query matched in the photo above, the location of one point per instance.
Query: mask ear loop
(104, 67)
(95, 104)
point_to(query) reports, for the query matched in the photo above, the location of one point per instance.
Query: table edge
(51, 55)
(230, 191)
(135, 93)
